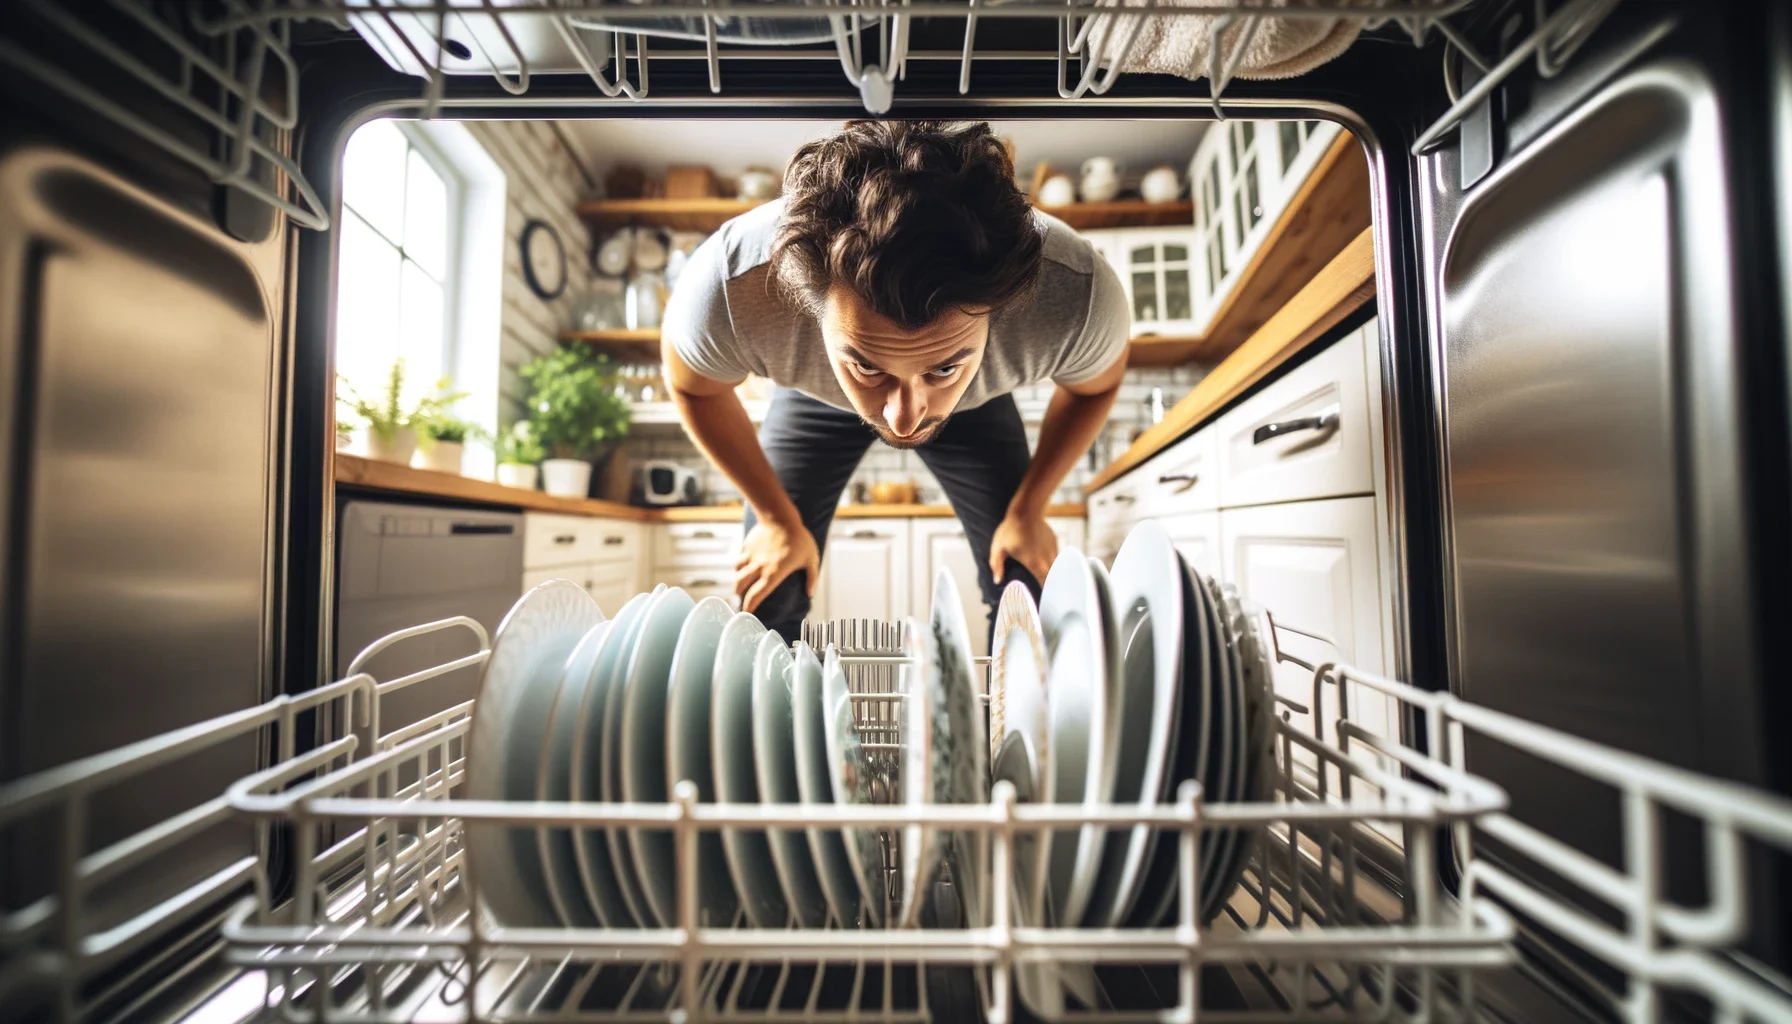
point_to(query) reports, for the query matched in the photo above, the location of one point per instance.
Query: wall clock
(544, 259)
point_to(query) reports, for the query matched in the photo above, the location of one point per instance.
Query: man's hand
(1028, 539)
(768, 555)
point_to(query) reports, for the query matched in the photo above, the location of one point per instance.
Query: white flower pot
(399, 447)
(516, 474)
(566, 478)
(443, 456)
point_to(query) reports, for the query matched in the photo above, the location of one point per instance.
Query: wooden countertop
(355, 471)
(1339, 289)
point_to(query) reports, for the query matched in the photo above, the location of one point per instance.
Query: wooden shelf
(677, 214)
(1339, 289)
(1124, 213)
(631, 346)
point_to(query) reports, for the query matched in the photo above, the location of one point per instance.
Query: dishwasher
(219, 802)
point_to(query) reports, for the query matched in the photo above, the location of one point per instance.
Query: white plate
(1252, 737)
(1076, 692)
(688, 749)
(1226, 748)
(775, 770)
(609, 770)
(553, 781)
(516, 693)
(1145, 591)
(1157, 893)
(644, 746)
(851, 774)
(597, 868)
(748, 854)
(967, 756)
(815, 786)
(1018, 705)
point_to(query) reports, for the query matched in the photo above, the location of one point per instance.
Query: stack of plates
(576, 707)
(1114, 689)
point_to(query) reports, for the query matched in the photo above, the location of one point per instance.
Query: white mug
(758, 183)
(1161, 185)
(650, 251)
(1101, 179)
(1057, 191)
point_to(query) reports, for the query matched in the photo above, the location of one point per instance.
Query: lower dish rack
(1343, 911)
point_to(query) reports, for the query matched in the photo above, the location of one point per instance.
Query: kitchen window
(396, 269)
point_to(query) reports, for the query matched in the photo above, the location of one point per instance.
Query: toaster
(668, 483)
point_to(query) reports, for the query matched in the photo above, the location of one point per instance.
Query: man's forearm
(1071, 424)
(722, 430)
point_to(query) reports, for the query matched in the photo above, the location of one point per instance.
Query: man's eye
(944, 372)
(868, 370)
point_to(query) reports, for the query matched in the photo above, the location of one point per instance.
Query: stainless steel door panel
(1593, 446)
(138, 367)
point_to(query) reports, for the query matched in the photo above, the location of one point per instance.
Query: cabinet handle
(703, 583)
(1124, 499)
(1325, 420)
(564, 539)
(865, 535)
(1187, 480)
(703, 535)
(611, 542)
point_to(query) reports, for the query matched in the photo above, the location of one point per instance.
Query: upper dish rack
(1332, 919)
(230, 67)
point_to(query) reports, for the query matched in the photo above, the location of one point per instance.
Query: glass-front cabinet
(1242, 176)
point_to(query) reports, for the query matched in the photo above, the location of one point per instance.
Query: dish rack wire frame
(390, 900)
(228, 94)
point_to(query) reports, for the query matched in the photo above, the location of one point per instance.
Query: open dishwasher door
(1606, 276)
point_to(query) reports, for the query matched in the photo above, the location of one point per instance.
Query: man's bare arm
(717, 421)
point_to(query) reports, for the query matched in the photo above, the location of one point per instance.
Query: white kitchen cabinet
(1307, 435)
(1315, 566)
(937, 544)
(601, 555)
(1197, 538)
(865, 571)
(1071, 532)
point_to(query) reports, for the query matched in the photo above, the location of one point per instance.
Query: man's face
(903, 383)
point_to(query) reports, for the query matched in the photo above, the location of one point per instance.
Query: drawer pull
(611, 542)
(564, 539)
(704, 535)
(1326, 420)
(1124, 499)
(866, 535)
(703, 583)
(1187, 480)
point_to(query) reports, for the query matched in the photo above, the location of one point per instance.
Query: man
(900, 291)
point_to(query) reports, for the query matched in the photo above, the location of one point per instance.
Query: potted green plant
(576, 413)
(518, 452)
(391, 426)
(444, 442)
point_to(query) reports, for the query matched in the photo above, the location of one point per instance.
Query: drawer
(704, 582)
(1197, 539)
(705, 544)
(1184, 477)
(579, 574)
(558, 540)
(1305, 436)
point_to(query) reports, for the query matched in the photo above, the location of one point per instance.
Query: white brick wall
(544, 184)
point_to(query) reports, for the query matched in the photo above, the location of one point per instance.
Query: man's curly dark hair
(916, 217)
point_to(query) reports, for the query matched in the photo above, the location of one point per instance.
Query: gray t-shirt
(727, 317)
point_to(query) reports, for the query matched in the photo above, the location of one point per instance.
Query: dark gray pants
(979, 458)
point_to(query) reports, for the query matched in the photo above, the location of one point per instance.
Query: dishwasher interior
(258, 832)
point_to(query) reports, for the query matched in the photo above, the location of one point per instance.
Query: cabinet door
(1307, 435)
(1072, 533)
(941, 544)
(866, 569)
(580, 574)
(1313, 564)
(1197, 538)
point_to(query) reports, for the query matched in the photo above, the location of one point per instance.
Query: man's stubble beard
(929, 428)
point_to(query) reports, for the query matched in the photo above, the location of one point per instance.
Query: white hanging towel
(1272, 47)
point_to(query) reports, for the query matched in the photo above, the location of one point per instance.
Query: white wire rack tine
(970, 43)
(1462, 44)
(521, 84)
(710, 55)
